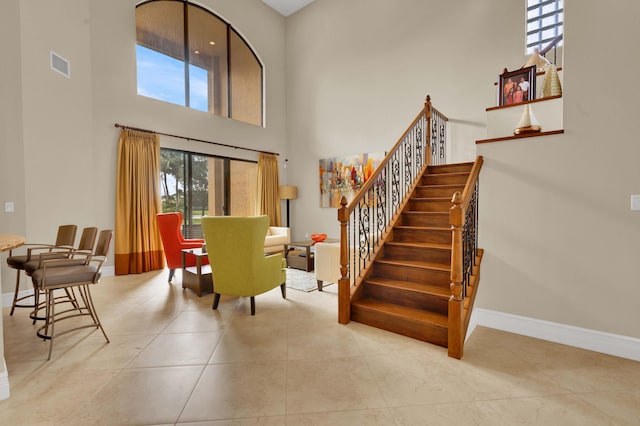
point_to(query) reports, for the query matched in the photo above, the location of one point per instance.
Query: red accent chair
(169, 225)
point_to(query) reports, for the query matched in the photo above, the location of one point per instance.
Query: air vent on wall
(60, 64)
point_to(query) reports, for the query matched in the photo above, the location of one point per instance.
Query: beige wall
(11, 147)
(359, 71)
(65, 127)
(561, 242)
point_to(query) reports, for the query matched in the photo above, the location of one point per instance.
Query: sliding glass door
(198, 185)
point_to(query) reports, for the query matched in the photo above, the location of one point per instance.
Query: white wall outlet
(8, 207)
(635, 202)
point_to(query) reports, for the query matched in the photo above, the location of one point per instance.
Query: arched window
(189, 56)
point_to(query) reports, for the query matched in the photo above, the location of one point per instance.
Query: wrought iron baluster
(381, 213)
(408, 176)
(395, 180)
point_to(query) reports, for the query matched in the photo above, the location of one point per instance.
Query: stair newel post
(344, 294)
(456, 302)
(427, 142)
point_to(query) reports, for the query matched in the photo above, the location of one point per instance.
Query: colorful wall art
(345, 176)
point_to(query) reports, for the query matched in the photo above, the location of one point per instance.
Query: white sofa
(277, 237)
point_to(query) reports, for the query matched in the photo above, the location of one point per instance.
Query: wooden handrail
(426, 111)
(551, 44)
(471, 182)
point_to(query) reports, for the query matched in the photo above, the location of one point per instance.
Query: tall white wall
(61, 141)
(359, 71)
(561, 242)
(11, 146)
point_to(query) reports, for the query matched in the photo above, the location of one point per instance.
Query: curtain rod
(193, 139)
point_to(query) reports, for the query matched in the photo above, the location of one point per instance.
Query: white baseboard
(593, 340)
(7, 298)
(108, 271)
(4, 383)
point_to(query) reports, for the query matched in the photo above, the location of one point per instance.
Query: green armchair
(235, 246)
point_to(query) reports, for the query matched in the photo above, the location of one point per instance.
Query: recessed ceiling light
(213, 43)
(197, 52)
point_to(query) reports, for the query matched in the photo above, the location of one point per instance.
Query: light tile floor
(173, 360)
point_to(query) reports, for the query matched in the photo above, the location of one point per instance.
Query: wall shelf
(526, 135)
(548, 98)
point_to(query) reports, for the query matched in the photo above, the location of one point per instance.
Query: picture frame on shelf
(517, 86)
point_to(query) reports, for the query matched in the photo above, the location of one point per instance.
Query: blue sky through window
(162, 77)
(198, 88)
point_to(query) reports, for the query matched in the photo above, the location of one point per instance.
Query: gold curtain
(268, 188)
(138, 247)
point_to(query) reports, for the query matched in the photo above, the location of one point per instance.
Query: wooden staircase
(406, 290)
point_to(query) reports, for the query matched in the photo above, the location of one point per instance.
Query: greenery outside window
(198, 185)
(189, 56)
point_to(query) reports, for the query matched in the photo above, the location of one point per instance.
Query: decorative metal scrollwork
(424, 142)
(395, 182)
(419, 148)
(408, 175)
(381, 202)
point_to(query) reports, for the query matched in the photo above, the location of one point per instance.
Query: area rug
(300, 280)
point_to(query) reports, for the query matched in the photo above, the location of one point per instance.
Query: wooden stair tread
(448, 174)
(419, 245)
(439, 199)
(419, 212)
(399, 311)
(423, 228)
(437, 169)
(415, 264)
(433, 290)
(464, 163)
(441, 185)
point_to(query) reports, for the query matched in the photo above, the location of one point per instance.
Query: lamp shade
(288, 192)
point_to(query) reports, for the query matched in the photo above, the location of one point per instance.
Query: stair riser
(416, 235)
(412, 274)
(426, 219)
(406, 327)
(426, 254)
(450, 168)
(411, 299)
(437, 192)
(444, 179)
(427, 205)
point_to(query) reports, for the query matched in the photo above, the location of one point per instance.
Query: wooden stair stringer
(472, 290)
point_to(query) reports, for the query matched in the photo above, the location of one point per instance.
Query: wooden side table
(306, 245)
(197, 278)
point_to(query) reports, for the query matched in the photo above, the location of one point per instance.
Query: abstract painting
(344, 176)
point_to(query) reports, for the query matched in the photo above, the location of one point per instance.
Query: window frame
(228, 72)
(186, 204)
(557, 26)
